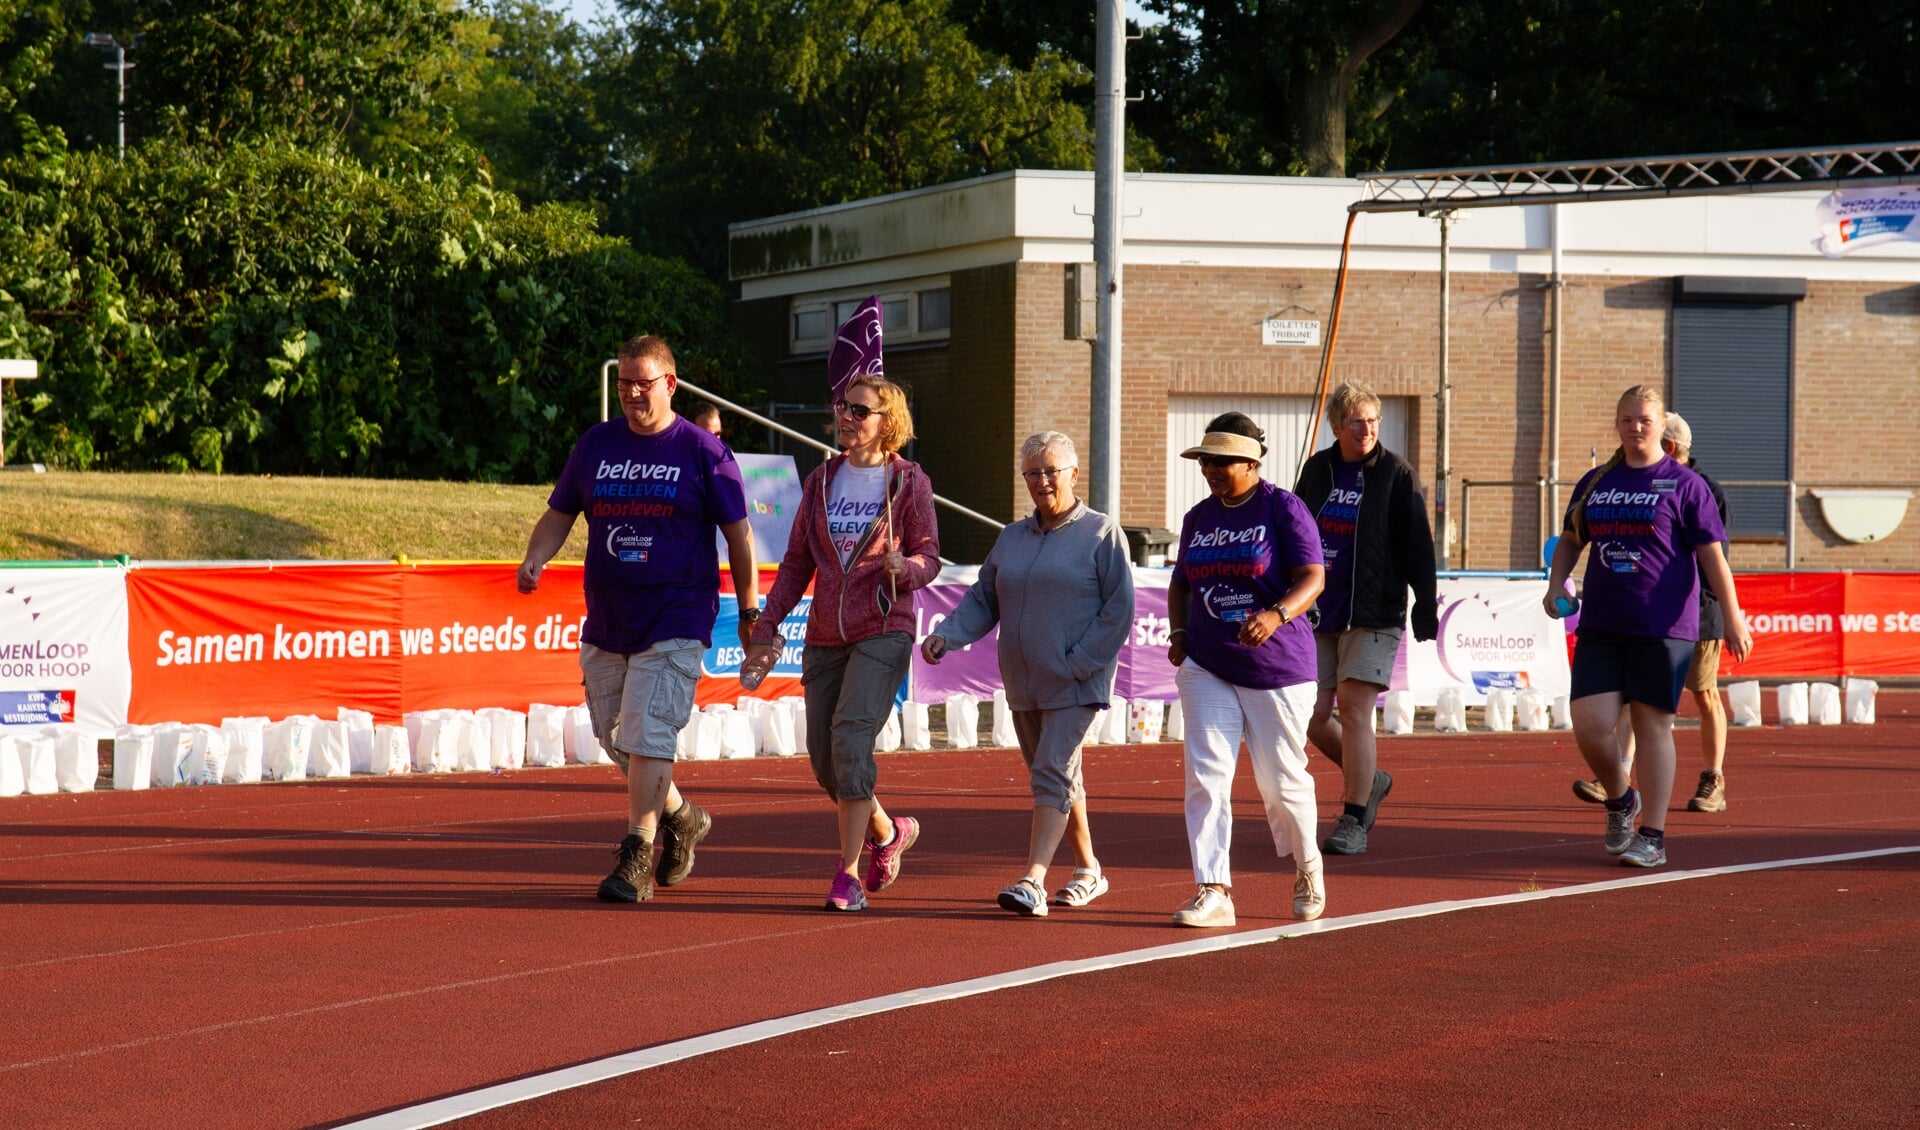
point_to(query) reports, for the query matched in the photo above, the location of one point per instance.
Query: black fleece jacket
(1392, 540)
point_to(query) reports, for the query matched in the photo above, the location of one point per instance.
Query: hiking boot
(1645, 851)
(1620, 826)
(1210, 907)
(1711, 796)
(846, 893)
(1590, 791)
(679, 835)
(1348, 837)
(1310, 893)
(629, 881)
(883, 866)
(1382, 785)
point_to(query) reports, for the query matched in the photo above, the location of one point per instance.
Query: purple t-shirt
(652, 503)
(1336, 519)
(1236, 561)
(1643, 525)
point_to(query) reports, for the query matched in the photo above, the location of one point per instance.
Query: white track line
(447, 1109)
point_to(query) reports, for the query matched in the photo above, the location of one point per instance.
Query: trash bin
(1148, 544)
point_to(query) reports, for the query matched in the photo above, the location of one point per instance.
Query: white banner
(1493, 633)
(773, 494)
(1852, 218)
(63, 649)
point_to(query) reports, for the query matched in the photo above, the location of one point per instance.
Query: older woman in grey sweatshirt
(1059, 585)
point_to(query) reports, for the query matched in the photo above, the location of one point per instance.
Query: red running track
(307, 953)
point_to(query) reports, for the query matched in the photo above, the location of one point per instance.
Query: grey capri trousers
(849, 692)
(1050, 743)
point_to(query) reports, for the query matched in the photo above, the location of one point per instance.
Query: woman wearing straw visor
(1649, 521)
(864, 534)
(1249, 569)
(1059, 585)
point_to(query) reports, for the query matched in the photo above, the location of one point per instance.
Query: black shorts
(1640, 669)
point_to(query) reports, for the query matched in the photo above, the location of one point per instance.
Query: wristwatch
(750, 615)
(1285, 616)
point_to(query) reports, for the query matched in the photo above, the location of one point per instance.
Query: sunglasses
(1218, 462)
(857, 412)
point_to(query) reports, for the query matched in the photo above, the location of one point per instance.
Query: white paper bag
(778, 721)
(916, 731)
(328, 757)
(1498, 711)
(1176, 728)
(1146, 718)
(888, 739)
(13, 771)
(392, 755)
(546, 739)
(1449, 711)
(1111, 723)
(799, 722)
(132, 758)
(76, 760)
(1003, 735)
(1561, 713)
(1743, 703)
(963, 721)
(1860, 694)
(358, 725)
(1398, 714)
(509, 733)
(708, 732)
(1530, 709)
(246, 749)
(582, 747)
(430, 740)
(289, 747)
(1823, 704)
(472, 742)
(736, 734)
(1792, 698)
(172, 742)
(36, 760)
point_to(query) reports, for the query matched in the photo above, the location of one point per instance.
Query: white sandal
(1087, 885)
(1025, 898)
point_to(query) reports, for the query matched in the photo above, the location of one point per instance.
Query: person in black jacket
(1378, 544)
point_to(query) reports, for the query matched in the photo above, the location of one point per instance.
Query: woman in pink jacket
(865, 535)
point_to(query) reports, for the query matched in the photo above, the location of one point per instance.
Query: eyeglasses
(644, 388)
(1362, 423)
(854, 411)
(1044, 473)
(1221, 461)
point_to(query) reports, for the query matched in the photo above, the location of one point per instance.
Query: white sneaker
(1210, 907)
(1309, 894)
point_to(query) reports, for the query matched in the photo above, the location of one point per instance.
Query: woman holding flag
(864, 534)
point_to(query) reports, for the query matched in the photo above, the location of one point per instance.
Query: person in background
(1378, 545)
(654, 488)
(1059, 585)
(1248, 571)
(1654, 533)
(1703, 677)
(864, 534)
(707, 415)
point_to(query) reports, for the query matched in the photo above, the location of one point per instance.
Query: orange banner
(209, 643)
(1811, 625)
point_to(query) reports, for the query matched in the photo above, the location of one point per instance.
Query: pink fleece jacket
(855, 602)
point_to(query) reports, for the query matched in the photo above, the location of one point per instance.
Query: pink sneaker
(884, 866)
(846, 893)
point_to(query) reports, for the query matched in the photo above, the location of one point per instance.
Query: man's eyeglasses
(1044, 473)
(644, 388)
(854, 411)
(1221, 461)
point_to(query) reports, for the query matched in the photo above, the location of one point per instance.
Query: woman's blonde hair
(1344, 399)
(896, 421)
(1646, 394)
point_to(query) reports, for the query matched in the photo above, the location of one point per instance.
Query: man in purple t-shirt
(653, 486)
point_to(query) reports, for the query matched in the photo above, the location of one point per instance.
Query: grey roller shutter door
(1733, 381)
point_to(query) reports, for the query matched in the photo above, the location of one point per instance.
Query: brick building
(1792, 368)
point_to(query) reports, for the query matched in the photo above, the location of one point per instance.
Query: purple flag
(856, 348)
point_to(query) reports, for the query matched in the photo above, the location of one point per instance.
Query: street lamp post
(104, 42)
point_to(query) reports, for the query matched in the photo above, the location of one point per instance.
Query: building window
(915, 312)
(1733, 381)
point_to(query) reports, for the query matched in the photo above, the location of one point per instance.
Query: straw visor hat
(1233, 445)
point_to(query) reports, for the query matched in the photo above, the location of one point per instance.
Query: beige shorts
(640, 702)
(1704, 675)
(1365, 654)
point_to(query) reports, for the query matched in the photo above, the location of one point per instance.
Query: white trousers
(1274, 723)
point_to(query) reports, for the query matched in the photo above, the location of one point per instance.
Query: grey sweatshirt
(1064, 602)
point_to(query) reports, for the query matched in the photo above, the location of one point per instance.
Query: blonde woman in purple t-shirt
(1649, 521)
(1249, 569)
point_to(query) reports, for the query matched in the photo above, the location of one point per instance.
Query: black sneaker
(1382, 785)
(1349, 837)
(629, 881)
(679, 835)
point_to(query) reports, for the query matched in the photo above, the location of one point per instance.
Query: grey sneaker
(1712, 794)
(1210, 907)
(1590, 791)
(1382, 785)
(1620, 826)
(679, 835)
(1347, 838)
(629, 881)
(1310, 892)
(1644, 852)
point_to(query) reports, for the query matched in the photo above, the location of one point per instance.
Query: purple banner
(856, 348)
